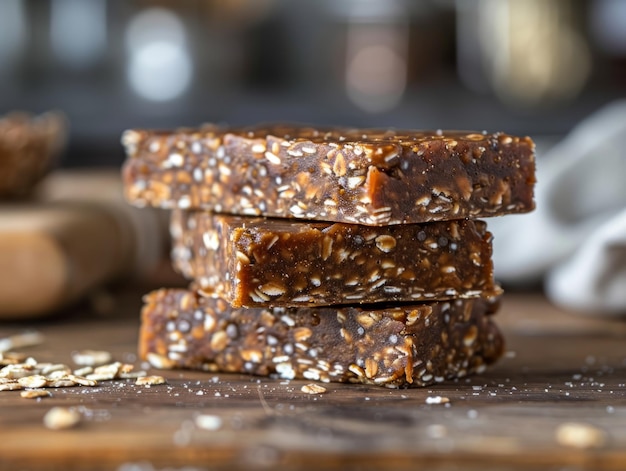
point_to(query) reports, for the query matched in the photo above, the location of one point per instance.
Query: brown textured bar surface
(403, 345)
(370, 177)
(278, 262)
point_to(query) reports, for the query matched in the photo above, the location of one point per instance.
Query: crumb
(437, 400)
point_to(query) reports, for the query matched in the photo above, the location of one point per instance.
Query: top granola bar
(371, 177)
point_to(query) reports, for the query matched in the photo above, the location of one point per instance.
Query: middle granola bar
(274, 262)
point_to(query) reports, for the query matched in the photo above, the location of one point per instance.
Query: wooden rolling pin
(78, 234)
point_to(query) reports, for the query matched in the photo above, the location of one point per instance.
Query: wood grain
(559, 368)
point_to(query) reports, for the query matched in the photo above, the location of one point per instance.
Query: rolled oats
(81, 380)
(26, 339)
(10, 386)
(105, 372)
(150, 380)
(11, 358)
(34, 381)
(91, 357)
(84, 371)
(35, 393)
(17, 370)
(313, 388)
(61, 383)
(59, 418)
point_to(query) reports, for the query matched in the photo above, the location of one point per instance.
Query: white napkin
(576, 238)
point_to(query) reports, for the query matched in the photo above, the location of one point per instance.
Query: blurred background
(532, 67)
(528, 67)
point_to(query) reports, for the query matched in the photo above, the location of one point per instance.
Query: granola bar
(369, 177)
(279, 262)
(393, 346)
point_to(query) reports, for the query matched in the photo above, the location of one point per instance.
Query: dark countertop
(558, 369)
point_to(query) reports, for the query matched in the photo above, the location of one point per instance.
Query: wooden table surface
(559, 369)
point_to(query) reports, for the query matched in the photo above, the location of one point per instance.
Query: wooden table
(559, 368)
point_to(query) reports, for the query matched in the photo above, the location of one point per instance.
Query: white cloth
(576, 238)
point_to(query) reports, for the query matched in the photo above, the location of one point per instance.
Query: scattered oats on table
(30, 374)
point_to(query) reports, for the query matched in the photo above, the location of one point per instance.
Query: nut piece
(35, 393)
(150, 380)
(578, 435)
(59, 418)
(313, 388)
(91, 357)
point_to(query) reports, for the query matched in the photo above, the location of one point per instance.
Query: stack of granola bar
(328, 254)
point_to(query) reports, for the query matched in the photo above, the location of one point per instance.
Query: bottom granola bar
(417, 344)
